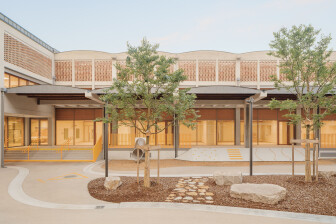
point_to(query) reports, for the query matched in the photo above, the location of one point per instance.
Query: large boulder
(327, 174)
(112, 183)
(264, 193)
(227, 178)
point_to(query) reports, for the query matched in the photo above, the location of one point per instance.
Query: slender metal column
(246, 125)
(2, 127)
(105, 143)
(251, 137)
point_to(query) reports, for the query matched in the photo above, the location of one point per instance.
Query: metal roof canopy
(218, 92)
(213, 92)
(49, 92)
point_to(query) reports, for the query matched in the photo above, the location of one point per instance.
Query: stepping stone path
(191, 190)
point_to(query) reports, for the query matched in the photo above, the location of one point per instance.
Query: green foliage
(309, 74)
(146, 92)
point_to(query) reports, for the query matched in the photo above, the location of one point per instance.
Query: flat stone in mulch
(315, 198)
(191, 189)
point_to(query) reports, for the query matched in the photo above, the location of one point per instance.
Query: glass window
(99, 130)
(328, 134)
(225, 132)
(254, 132)
(303, 133)
(34, 131)
(6, 132)
(206, 132)
(84, 132)
(22, 82)
(161, 136)
(64, 132)
(15, 131)
(6, 81)
(286, 132)
(242, 130)
(125, 136)
(267, 132)
(14, 81)
(39, 131)
(138, 134)
(187, 136)
(43, 132)
(169, 134)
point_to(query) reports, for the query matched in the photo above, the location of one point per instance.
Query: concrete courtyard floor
(66, 183)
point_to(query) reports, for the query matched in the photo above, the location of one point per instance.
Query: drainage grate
(328, 154)
(70, 176)
(100, 207)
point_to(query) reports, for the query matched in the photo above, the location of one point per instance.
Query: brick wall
(103, 70)
(23, 56)
(63, 70)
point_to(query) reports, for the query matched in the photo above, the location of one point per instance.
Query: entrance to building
(39, 131)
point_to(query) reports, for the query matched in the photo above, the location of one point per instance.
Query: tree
(146, 92)
(308, 74)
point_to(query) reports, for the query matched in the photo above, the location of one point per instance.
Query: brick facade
(227, 71)
(267, 69)
(103, 70)
(248, 71)
(83, 71)
(23, 56)
(207, 70)
(63, 70)
(189, 68)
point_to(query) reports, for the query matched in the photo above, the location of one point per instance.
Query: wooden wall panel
(84, 114)
(267, 114)
(98, 113)
(65, 114)
(225, 114)
(207, 114)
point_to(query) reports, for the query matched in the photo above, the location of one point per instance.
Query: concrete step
(49, 155)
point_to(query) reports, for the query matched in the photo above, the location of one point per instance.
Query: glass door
(39, 131)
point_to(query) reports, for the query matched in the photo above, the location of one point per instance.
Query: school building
(50, 99)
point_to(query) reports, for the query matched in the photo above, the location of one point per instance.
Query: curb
(15, 190)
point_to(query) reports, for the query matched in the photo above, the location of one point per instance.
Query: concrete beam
(257, 97)
(62, 102)
(94, 97)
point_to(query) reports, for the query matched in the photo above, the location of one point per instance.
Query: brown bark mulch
(314, 198)
(130, 191)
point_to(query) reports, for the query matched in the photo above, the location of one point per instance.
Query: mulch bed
(130, 191)
(315, 198)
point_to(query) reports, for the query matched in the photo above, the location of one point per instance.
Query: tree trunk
(147, 170)
(308, 177)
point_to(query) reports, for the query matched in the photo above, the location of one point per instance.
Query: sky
(177, 25)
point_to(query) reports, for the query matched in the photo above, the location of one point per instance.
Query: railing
(97, 149)
(26, 33)
(52, 154)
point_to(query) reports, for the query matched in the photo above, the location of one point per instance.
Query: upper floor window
(12, 81)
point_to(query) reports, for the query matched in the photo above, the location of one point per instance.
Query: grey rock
(264, 193)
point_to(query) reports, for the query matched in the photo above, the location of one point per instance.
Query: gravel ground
(315, 198)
